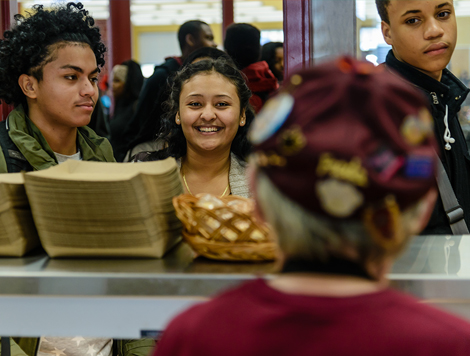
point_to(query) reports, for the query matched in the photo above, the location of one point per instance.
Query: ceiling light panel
(166, 12)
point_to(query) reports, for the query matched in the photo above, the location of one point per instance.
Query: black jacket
(145, 124)
(451, 92)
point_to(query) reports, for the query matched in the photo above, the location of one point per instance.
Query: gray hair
(303, 235)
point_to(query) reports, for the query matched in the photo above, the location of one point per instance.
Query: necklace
(189, 191)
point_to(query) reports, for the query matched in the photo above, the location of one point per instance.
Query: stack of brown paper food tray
(18, 234)
(87, 209)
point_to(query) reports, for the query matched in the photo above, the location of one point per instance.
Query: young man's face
(422, 33)
(67, 94)
(206, 37)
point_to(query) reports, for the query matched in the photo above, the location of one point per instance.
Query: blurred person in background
(127, 81)
(103, 86)
(242, 43)
(100, 117)
(326, 179)
(192, 35)
(273, 54)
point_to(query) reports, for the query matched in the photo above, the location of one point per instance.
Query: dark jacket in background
(145, 123)
(451, 92)
(123, 113)
(125, 107)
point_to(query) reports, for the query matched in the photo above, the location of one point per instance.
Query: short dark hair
(242, 43)
(26, 48)
(173, 133)
(207, 52)
(192, 27)
(382, 9)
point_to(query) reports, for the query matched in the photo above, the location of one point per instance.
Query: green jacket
(34, 147)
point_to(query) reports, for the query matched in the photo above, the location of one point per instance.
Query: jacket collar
(34, 147)
(448, 84)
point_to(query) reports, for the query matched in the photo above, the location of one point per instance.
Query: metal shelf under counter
(122, 298)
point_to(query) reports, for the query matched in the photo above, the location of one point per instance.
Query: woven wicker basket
(224, 233)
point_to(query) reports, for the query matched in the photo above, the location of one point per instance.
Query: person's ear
(386, 33)
(177, 119)
(190, 40)
(243, 118)
(28, 85)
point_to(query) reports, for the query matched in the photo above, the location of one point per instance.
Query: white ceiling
(167, 12)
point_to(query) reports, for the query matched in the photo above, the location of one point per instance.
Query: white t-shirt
(62, 158)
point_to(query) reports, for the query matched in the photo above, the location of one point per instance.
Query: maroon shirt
(257, 320)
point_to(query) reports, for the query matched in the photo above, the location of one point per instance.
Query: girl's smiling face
(209, 112)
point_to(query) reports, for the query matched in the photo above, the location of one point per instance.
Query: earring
(177, 118)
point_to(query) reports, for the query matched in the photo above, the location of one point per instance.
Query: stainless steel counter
(122, 298)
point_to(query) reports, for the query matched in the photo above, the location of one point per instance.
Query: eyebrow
(78, 69)
(217, 96)
(418, 11)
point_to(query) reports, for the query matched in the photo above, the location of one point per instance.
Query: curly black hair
(26, 48)
(173, 133)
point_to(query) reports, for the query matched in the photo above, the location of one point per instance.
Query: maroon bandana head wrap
(345, 135)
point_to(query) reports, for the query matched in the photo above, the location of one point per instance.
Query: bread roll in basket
(224, 228)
